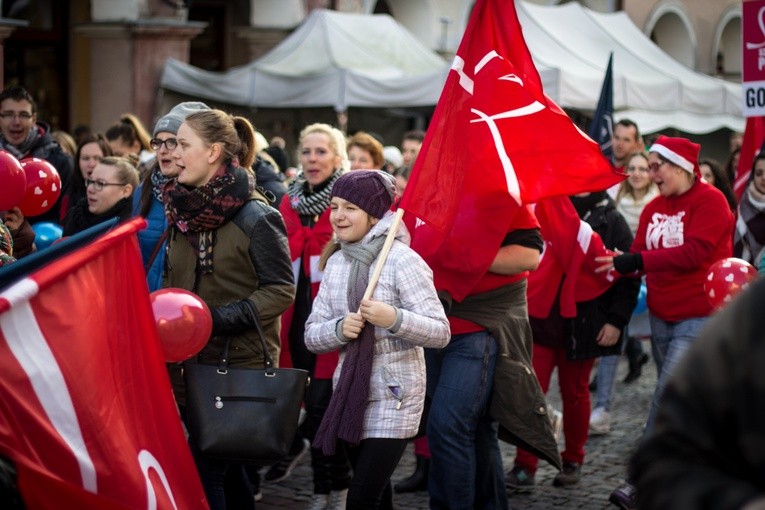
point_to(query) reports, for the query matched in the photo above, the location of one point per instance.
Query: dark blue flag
(34, 261)
(602, 126)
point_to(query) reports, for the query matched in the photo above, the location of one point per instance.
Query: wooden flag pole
(384, 254)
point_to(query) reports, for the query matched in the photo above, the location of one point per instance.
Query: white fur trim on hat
(673, 157)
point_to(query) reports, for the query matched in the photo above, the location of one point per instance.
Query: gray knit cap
(173, 120)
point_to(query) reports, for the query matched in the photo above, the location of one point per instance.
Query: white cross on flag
(495, 141)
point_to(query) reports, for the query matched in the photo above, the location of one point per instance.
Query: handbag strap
(157, 247)
(268, 361)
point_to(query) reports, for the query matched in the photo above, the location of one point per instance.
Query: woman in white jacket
(379, 383)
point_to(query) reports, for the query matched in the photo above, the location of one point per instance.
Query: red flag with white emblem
(495, 141)
(754, 139)
(571, 247)
(88, 416)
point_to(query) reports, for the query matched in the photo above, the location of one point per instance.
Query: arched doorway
(670, 28)
(726, 49)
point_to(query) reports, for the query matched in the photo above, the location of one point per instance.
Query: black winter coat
(707, 448)
(616, 304)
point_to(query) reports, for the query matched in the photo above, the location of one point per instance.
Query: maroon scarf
(199, 212)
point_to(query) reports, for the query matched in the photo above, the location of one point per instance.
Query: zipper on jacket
(396, 392)
(219, 400)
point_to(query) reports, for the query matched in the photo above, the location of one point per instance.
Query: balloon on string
(726, 278)
(46, 233)
(183, 322)
(642, 303)
(43, 186)
(13, 179)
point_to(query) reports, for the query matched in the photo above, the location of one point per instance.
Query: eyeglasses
(99, 185)
(654, 167)
(19, 115)
(170, 143)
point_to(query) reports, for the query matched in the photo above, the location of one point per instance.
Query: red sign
(753, 58)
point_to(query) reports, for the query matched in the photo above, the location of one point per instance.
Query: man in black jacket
(24, 137)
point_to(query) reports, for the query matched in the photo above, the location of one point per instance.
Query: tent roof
(332, 59)
(340, 60)
(650, 87)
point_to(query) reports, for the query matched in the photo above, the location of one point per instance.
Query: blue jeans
(466, 465)
(669, 342)
(607, 379)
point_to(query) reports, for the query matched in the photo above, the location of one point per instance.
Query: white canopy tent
(650, 87)
(332, 59)
(343, 60)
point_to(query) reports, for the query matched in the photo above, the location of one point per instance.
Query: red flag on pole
(569, 256)
(754, 135)
(88, 416)
(495, 141)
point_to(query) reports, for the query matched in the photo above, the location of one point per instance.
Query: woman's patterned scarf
(311, 203)
(158, 183)
(199, 212)
(749, 236)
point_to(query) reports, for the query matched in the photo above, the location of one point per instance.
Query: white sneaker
(600, 422)
(337, 500)
(318, 502)
(556, 418)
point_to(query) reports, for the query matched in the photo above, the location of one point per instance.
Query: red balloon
(726, 278)
(13, 179)
(183, 321)
(43, 186)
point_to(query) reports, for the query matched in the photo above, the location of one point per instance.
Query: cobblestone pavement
(603, 470)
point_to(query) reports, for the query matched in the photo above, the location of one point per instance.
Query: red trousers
(574, 381)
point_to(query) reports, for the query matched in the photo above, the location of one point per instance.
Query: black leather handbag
(243, 414)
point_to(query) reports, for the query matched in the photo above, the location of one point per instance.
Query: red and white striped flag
(88, 417)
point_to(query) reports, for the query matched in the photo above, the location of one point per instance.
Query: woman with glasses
(681, 233)
(147, 201)
(92, 149)
(109, 191)
(228, 246)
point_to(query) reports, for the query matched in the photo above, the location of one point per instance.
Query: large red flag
(571, 247)
(495, 141)
(754, 135)
(88, 417)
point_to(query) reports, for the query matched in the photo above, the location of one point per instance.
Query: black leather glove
(628, 263)
(233, 318)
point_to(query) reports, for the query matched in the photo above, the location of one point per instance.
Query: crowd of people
(293, 248)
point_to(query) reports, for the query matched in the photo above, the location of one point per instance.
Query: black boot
(419, 479)
(636, 368)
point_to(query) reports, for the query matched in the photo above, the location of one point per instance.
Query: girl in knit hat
(379, 383)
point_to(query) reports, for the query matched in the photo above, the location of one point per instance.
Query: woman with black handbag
(227, 245)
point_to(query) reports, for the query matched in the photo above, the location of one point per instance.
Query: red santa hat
(680, 151)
